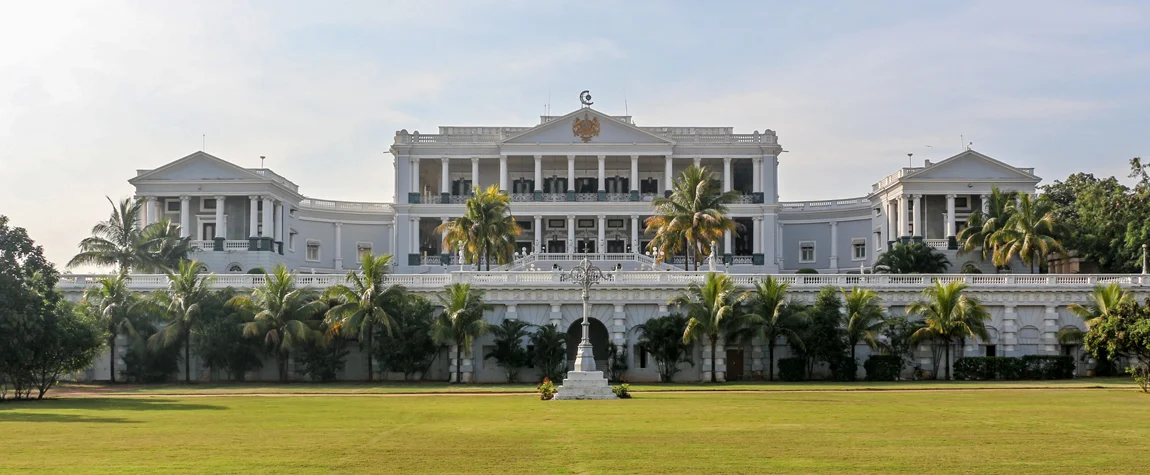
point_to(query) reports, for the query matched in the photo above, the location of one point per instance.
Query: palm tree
(949, 314)
(913, 258)
(163, 247)
(116, 307)
(1029, 233)
(366, 303)
(283, 315)
(694, 216)
(864, 318)
(981, 227)
(187, 288)
(461, 321)
(1104, 299)
(770, 317)
(509, 351)
(550, 351)
(486, 230)
(713, 311)
(662, 337)
(116, 241)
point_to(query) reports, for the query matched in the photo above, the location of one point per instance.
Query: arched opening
(599, 338)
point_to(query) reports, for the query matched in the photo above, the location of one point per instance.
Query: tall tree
(1104, 301)
(163, 247)
(662, 338)
(1030, 233)
(949, 314)
(822, 333)
(770, 317)
(486, 230)
(981, 227)
(284, 315)
(364, 303)
(693, 217)
(912, 258)
(550, 351)
(1095, 214)
(116, 307)
(864, 318)
(713, 309)
(123, 242)
(509, 351)
(187, 289)
(408, 348)
(461, 321)
(1124, 331)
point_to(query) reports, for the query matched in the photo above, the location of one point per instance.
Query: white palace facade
(581, 186)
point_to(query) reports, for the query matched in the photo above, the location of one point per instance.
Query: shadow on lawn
(93, 404)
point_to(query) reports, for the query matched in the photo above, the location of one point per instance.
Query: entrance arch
(599, 338)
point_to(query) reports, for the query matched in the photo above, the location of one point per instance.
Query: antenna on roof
(548, 110)
(203, 141)
(910, 160)
(626, 110)
(261, 161)
(961, 141)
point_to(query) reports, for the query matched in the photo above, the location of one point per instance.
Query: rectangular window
(991, 350)
(557, 223)
(859, 247)
(641, 353)
(208, 204)
(586, 223)
(172, 206)
(312, 251)
(807, 251)
(962, 202)
(615, 223)
(525, 224)
(362, 250)
(291, 241)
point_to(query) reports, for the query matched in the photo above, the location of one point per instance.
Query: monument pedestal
(585, 385)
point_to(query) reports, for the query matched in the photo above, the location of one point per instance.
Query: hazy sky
(91, 91)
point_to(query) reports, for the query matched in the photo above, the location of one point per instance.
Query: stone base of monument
(585, 385)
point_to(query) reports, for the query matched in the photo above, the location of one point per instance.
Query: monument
(583, 382)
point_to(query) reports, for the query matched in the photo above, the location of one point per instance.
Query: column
(985, 199)
(474, 175)
(619, 326)
(570, 180)
(282, 226)
(778, 233)
(698, 161)
(556, 317)
(571, 234)
(221, 231)
(150, 212)
(415, 235)
(769, 233)
(413, 186)
(727, 185)
(917, 218)
(635, 235)
(891, 209)
(601, 246)
(538, 179)
(1009, 330)
(253, 223)
(445, 254)
(185, 216)
(903, 204)
(277, 223)
(727, 250)
(757, 242)
(338, 246)
(503, 173)
(950, 220)
(634, 178)
(268, 224)
(538, 234)
(757, 180)
(1050, 330)
(668, 177)
(602, 177)
(834, 246)
(445, 180)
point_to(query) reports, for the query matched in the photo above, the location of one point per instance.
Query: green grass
(1000, 431)
(439, 387)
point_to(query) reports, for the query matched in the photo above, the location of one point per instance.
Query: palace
(581, 186)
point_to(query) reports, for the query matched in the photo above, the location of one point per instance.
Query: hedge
(792, 369)
(882, 367)
(982, 368)
(843, 368)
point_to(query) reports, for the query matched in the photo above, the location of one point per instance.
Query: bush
(844, 368)
(883, 367)
(806, 270)
(323, 362)
(622, 391)
(143, 364)
(986, 368)
(792, 369)
(546, 389)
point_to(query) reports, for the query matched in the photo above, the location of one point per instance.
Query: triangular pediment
(971, 165)
(590, 126)
(198, 166)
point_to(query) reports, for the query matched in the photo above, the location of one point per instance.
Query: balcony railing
(229, 245)
(554, 197)
(522, 197)
(617, 197)
(586, 197)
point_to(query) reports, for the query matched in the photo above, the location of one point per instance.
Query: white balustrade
(203, 245)
(236, 245)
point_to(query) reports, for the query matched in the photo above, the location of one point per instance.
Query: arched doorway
(599, 338)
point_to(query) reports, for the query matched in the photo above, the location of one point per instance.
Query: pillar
(950, 224)
(635, 235)
(727, 185)
(445, 180)
(415, 235)
(413, 189)
(571, 234)
(757, 180)
(602, 177)
(503, 173)
(903, 204)
(474, 175)
(277, 210)
(619, 327)
(538, 180)
(185, 216)
(338, 246)
(221, 231)
(601, 246)
(538, 234)
(834, 246)
(281, 226)
(570, 180)
(556, 316)
(757, 242)
(917, 217)
(1050, 330)
(778, 234)
(1009, 330)
(985, 199)
(668, 177)
(698, 161)
(890, 208)
(253, 223)
(727, 250)
(268, 224)
(634, 178)
(149, 213)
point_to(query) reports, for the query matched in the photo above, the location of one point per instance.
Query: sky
(92, 91)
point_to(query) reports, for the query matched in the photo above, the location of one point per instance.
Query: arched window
(235, 268)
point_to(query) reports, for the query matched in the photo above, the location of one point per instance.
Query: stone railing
(236, 245)
(430, 260)
(522, 197)
(264, 172)
(554, 197)
(893, 177)
(742, 260)
(745, 199)
(459, 199)
(940, 244)
(823, 205)
(204, 245)
(618, 197)
(353, 206)
(659, 278)
(586, 197)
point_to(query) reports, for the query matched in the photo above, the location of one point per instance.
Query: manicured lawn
(1002, 431)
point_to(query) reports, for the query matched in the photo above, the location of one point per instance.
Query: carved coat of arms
(586, 127)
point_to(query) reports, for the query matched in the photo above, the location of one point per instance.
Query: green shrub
(844, 368)
(986, 368)
(1049, 366)
(792, 369)
(806, 270)
(546, 389)
(622, 391)
(882, 367)
(143, 364)
(323, 362)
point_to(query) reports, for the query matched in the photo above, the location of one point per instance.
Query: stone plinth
(585, 385)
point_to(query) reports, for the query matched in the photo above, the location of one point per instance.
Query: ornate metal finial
(585, 98)
(585, 274)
